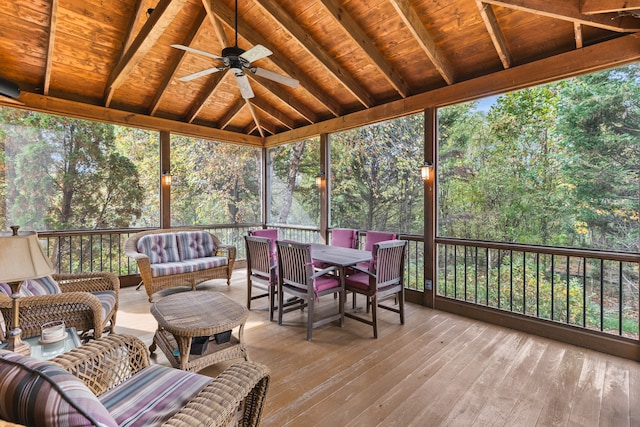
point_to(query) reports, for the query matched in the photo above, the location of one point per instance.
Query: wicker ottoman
(210, 316)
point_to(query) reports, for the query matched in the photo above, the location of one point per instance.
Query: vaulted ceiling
(356, 61)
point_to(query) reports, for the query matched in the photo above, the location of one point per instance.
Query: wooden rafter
(209, 90)
(314, 49)
(273, 112)
(196, 28)
(227, 16)
(353, 30)
(50, 44)
(420, 33)
(604, 6)
(255, 116)
(499, 42)
(295, 105)
(231, 114)
(570, 11)
(151, 31)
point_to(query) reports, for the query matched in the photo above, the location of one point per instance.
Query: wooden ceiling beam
(570, 11)
(421, 35)
(295, 105)
(256, 118)
(231, 114)
(227, 16)
(50, 43)
(47, 104)
(289, 25)
(151, 31)
(126, 43)
(273, 112)
(195, 30)
(497, 37)
(209, 90)
(612, 53)
(353, 30)
(589, 7)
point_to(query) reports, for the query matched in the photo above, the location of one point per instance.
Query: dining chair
(271, 234)
(262, 271)
(370, 239)
(344, 237)
(383, 279)
(297, 276)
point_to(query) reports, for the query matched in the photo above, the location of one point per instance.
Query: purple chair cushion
(344, 237)
(38, 393)
(323, 283)
(357, 280)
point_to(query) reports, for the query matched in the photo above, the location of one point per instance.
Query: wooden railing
(594, 290)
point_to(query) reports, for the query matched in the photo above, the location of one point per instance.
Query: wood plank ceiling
(113, 60)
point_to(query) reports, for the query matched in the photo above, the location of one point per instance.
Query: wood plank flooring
(438, 369)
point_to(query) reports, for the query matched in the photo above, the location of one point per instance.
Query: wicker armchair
(123, 387)
(80, 304)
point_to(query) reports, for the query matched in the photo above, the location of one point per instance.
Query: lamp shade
(22, 258)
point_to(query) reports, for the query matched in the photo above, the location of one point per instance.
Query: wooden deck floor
(437, 369)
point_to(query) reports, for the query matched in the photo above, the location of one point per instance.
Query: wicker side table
(187, 315)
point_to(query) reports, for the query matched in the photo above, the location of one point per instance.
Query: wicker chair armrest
(88, 282)
(241, 387)
(106, 362)
(50, 302)
(226, 250)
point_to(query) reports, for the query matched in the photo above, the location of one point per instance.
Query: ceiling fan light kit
(239, 61)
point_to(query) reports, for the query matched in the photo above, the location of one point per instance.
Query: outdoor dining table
(340, 257)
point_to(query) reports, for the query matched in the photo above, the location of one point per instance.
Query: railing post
(324, 188)
(165, 190)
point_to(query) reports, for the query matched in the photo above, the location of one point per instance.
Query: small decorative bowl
(52, 331)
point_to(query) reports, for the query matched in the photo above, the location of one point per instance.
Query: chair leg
(272, 301)
(310, 303)
(374, 314)
(280, 304)
(249, 293)
(401, 304)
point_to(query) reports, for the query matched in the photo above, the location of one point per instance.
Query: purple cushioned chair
(384, 278)
(370, 239)
(262, 271)
(272, 235)
(296, 276)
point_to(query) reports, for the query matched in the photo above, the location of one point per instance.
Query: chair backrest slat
(259, 258)
(295, 265)
(389, 262)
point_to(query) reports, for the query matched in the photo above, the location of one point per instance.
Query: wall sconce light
(166, 178)
(320, 179)
(425, 170)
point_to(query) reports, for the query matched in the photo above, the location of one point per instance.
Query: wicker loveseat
(169, 258)
(86, 301)
(110, 382)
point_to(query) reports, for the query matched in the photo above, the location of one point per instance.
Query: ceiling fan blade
(274, 76)
(255, 53)
(190, 77)
(196, 51)
(243, 84)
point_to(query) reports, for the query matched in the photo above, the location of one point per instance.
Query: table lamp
(21, 258)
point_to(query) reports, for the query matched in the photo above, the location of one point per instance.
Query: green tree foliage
(214, 183)
(65, 173)
(600, 122)
(376, 182)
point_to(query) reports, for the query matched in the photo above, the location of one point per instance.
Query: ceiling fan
(239, 61)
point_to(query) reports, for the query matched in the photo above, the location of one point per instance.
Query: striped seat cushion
(37, 393)
(195, 244)
(107, 301)
(152, 395)
(159, 248)
(188, 266)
